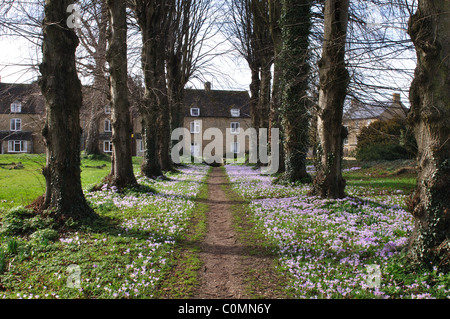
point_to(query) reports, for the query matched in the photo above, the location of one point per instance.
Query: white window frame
(16, 107)
(22, 146)
(235, 112)
(235, 127)
(15, 125)
(348, 133)
(108, 109)
(108, 126)
(195, 111)
(235, 147)
(141, 146)
(107, 146)
(195, 127)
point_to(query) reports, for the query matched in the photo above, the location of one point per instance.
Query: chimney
(207, 86)
(397, 98)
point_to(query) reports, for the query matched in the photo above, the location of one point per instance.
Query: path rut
(222, 254)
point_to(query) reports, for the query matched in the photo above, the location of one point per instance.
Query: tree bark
(275, 102)
(97, 95)
(296, 25)
(429, 29)
(154, 22)
(122, 174)
(61, 89)
(255, 86)
(334, 79)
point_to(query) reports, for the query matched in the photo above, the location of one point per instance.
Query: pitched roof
(27, 94)
(361, 111)
(216, 103)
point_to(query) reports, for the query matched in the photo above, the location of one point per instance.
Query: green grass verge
(261, 282)
(182, 280)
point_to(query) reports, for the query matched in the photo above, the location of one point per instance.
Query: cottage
(361, 115)
(21, 118)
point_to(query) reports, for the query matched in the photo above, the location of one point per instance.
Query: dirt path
(221, 275)
(226, 260)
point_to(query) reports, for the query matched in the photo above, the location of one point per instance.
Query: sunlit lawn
(22, 183)
(128, 252)
(335, 248)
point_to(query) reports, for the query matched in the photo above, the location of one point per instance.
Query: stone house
(22, 116)
(21, 119)
(362, 115)
(227, 111)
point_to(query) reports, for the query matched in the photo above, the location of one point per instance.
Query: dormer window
(15, 125)
(195, 111)
(108, 109)
(16, 107)
(235, 112)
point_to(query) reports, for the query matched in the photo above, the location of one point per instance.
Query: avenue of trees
(306, 58)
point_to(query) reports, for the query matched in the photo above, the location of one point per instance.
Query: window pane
(195, 111)
(195, 127)
(235, 127)
(15, 124)
(107, 126)
(235, 112)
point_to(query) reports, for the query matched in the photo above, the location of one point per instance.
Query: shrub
(386, 140)
(2, 261)
(19, 221)
(45, 235)
(14, 221)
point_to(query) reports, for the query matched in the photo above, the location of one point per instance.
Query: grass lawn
(131, 251)
(143, 244)
(22, 181)
(351, 248)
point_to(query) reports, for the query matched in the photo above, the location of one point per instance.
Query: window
(235, 127)
(16, 125)
(16, 107)
(17, 146)
(108, 127)
(235, 112)
(235, 147)
(346, 139)
(107, 146)
(108, 109)
(195, 127)
(141, 146)
(195, 111)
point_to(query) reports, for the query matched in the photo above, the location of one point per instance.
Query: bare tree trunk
(154, 20)
(334, 79)
(97, 95)
(265, 92)
(296, 26)
(61, 89)
(429, 29)
(255, 86)
(275, 102)
(122, 174)
(92, 145)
